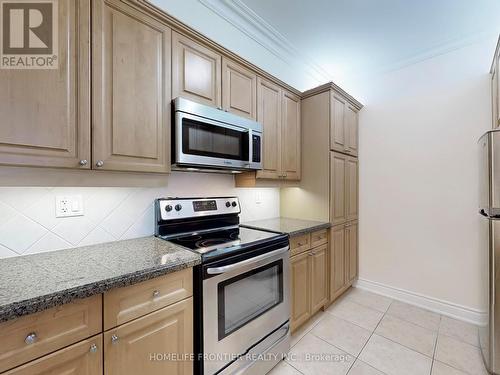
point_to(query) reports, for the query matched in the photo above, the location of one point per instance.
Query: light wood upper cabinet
(83, 358)
(352, 251)
(269, 115)
(338, 129)
(343, 126)
(300, 290)
(319, 277)
(131, 90)
(46, 113)
(338, 211)
(495, 97)
(196, 71)
(338, 276)
(239, 89)
(351, 188)
(291, 132)
(127, 348)
(343, 188)
(351, 120)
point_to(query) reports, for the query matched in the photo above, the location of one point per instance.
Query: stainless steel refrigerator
(489, 210)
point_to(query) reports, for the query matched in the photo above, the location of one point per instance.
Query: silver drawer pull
(31, 338)
(114, 339)
(93, 348)
(156, 293)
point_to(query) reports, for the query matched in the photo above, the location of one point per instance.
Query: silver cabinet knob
(156, 293)
(93, 348)
(83, 162)
(31, 338)
(99, 163)
(114, 339)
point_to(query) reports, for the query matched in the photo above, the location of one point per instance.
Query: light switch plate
(69, 205)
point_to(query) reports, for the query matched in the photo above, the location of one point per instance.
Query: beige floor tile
(283, 368)
(439, 368)
(342, 334)
(462, 331)
(394, 359)
(306, 327)
(408, 334)
(361, 368)
(415, 315)
(356, 313)
(313, 356)
(368, 299)
(459, 355)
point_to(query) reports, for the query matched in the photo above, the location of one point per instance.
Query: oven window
(249, 295)
(203, 139)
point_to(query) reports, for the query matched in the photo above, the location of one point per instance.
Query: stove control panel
(183, 208)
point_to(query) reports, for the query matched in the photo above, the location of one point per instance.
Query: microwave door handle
(231, 267)
(250, 146)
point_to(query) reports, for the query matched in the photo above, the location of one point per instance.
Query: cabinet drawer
(83, 358)
(299, 244)
(48, 330)
(124, 304)
(319, 237)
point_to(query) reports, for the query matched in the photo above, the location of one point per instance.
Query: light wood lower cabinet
(343, 258)
(83, 358)
(309, 284)
(143, 345)
(131, 89)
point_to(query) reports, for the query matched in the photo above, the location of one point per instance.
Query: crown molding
(255, 27)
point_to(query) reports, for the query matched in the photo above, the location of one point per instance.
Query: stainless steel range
(241, 288)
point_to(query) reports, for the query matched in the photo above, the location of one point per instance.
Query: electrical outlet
(69, 205)
(258, 197)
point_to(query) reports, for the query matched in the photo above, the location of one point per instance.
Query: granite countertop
(33, 283)
(292, 227)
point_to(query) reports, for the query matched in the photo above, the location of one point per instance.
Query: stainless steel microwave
(212, 139)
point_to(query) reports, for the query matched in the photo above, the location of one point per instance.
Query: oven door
(204, 142)
(242, 304)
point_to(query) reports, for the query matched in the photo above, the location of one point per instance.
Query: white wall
(418, 176)
(28, 223)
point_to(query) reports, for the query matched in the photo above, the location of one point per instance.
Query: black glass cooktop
(222, 239)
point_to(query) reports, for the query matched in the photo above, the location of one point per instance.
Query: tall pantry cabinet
(329, 185)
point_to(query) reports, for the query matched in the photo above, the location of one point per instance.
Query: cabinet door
(351, 234)
(337, 261)
(239, 89)
(319, 271)
(351, 188)
(83, 358)
(338, 136)
(290, 136)
(46, 113)
(131, 71)
(300, 289)
(269, 115)
(352, 130)
(130, 348)
(338, 188)
(196, 71)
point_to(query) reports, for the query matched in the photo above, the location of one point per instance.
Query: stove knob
(178, 207)
(168, 208)
(228, 204)
(234, 204)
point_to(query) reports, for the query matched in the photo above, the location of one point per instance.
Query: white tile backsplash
(28, 223)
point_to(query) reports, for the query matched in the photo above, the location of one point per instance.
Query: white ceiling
(346, 39)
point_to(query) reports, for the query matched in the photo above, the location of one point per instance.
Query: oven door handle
(231, 267)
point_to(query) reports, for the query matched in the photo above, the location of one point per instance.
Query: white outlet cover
(258, 197)
(69, 205)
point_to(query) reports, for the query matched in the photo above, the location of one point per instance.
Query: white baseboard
(433, 304)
